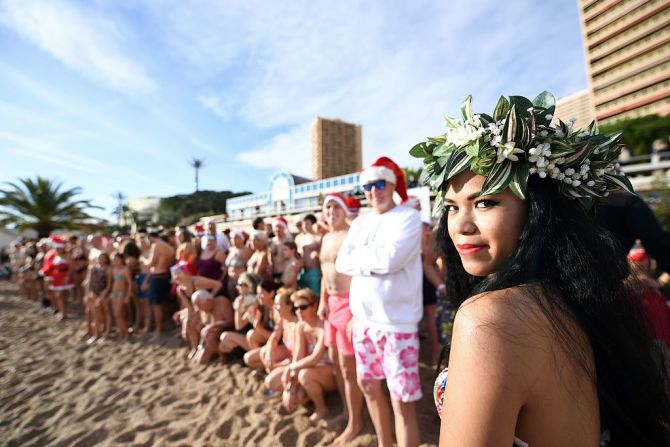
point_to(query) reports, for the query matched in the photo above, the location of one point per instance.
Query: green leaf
(522, 104)
(520, 180)
(419, 150)
(443, 150)
(618, 182)
(502, 107)
(466, 108)
(499, 178)
(424, 177)
(544, 100)
(458, 162)
(509, 130)
(472, 149)
(451, 122)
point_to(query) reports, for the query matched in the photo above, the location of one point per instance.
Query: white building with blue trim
(289, 194)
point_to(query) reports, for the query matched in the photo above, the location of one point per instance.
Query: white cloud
(284, 152)
(80, 38)
(222, 107)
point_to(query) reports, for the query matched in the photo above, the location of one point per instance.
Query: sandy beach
(56, 390)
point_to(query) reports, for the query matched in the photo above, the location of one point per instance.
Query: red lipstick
(469, 249)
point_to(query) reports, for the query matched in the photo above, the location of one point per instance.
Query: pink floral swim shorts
(393, 356)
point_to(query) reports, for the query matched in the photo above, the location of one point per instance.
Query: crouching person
(310, 369)
(212, 316)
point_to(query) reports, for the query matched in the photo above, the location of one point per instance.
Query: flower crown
(518, 141)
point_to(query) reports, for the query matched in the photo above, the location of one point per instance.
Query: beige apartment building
(578, 106)
(336, 148)
(627, 46)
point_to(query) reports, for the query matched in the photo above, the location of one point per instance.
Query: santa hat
(353, 204)
(412, 202)
(340, 200)
(57, 242)
(638, 255)
(281, 222)
(386, 169)
(199, 230)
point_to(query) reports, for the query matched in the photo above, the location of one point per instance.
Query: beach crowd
(321, 304)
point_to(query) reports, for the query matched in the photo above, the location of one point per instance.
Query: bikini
(118, 277)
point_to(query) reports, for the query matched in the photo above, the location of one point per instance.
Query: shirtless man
(161, 258)
(309, 244)
(212, 315)
(334, 310)
(277, 248)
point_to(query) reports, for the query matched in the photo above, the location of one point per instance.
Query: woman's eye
(451, 208)
(486, 204)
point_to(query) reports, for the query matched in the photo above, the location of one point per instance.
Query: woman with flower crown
(547, 346)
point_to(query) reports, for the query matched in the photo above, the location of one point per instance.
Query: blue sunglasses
(379, 184)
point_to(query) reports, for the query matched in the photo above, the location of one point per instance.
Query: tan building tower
(336, 148)
(627, 45)
(578, 106)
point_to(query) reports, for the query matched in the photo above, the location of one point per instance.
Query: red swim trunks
(335, 326)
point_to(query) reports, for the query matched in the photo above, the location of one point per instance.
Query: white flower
(551, 166)
(559, 133)
(534, 151)
(507, 151)
(544, 133)
(532, 170)
(561, 160)
(590, 183)
(463, 135)
(569, 171)
(568, 180)
(549, 117)
(576, 183)
(542, 174)
(561, 176)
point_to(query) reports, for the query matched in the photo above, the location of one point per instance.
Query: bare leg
(232, 340)
(119, 317)
(429, 315)
(406, 425)
(316, 381)
(157, 310)
(353, 400)
(273, 379)
(146, 311)
(210, 345)
(253, 358)
(380, 411)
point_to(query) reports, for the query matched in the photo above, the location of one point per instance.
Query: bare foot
(91, 340)
(347, 436)
(319, 418)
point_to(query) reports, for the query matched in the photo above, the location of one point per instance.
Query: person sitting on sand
(310, 366)
(122, 286)
(245, 306)
(278, 351)
(212, 315)
(263, 323)
(187, 285)
(98, 283)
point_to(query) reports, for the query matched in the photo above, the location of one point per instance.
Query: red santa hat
(386, 169)
(340, 200)
(353, 204)
(199, 230)
(57, 242)
(638, 255)
(281, 221)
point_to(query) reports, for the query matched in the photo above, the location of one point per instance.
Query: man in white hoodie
(382, 253)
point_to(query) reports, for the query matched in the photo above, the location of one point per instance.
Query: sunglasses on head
(379, 184)
(240, 284)
(302, 307)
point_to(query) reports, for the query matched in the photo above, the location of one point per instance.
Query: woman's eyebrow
(472, 196)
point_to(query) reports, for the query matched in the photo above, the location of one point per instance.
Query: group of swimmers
(260, 291)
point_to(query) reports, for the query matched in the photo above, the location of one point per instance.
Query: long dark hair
(578, 267)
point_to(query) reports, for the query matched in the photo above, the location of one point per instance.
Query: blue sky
(118, 95)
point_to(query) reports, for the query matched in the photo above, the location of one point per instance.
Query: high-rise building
(627, 45)
(578, 106)
(336, 148)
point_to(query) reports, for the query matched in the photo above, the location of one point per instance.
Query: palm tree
(121, 208)
(197, 163)
(40, 204)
